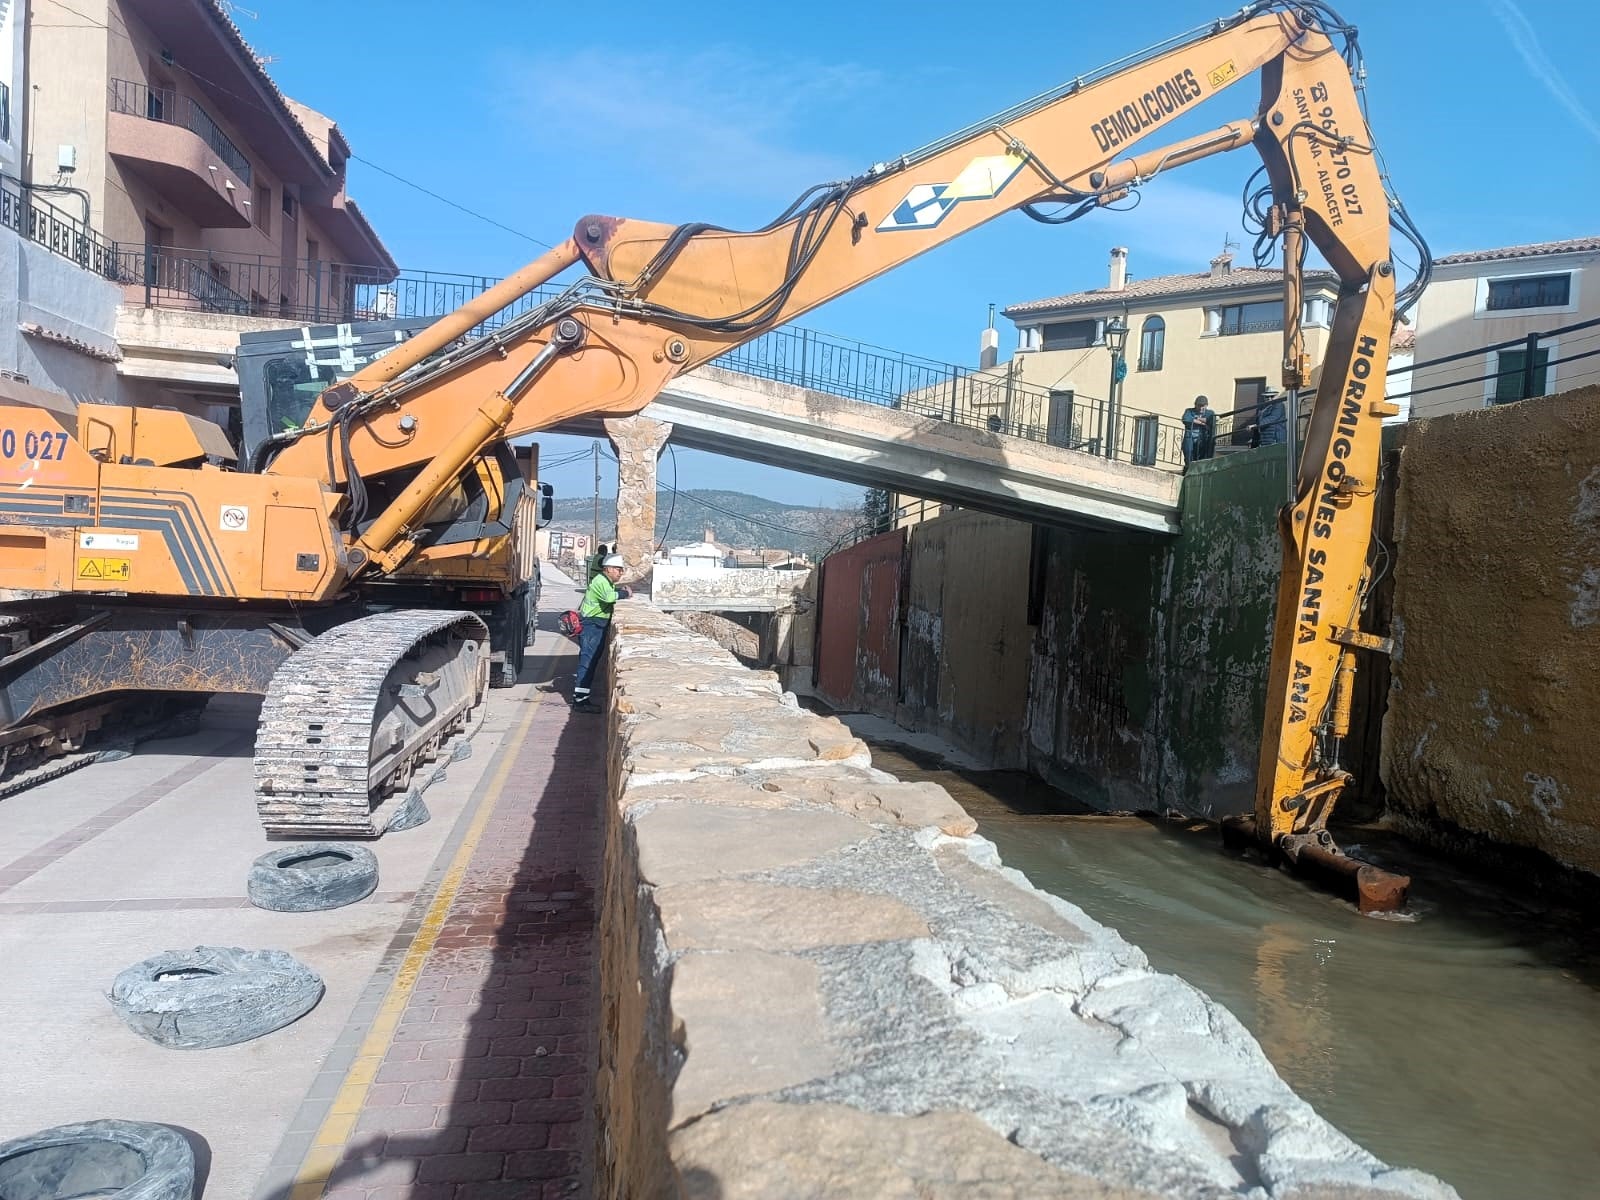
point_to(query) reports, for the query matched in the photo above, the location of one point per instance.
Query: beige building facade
(219, 196)
(1217, 333)
(1478, 312)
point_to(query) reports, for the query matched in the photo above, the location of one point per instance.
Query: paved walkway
(469, 1064)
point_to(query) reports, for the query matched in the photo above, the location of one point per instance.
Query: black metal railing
(995, 403)
(304, 290)
(1519, 368)
(171, 107)
(312, 291)
(1274, 325)
(43, 224)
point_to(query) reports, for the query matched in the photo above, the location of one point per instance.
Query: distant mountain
(736, 519)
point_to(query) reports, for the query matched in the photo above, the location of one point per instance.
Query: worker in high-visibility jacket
(598, 603)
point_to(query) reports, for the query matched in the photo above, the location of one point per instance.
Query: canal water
(1463, 1041)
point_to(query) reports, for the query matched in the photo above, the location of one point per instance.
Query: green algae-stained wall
(1150, 658)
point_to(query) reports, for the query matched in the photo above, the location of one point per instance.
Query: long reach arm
(657, 300)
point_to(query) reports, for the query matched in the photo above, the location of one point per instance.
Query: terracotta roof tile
(1239, 279)
(1530, 250)
(225, 23)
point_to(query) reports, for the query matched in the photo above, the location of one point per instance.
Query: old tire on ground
(213, 995)
(133, 1159)
(312, 876)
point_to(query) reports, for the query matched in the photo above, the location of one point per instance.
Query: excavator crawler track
(350, 717)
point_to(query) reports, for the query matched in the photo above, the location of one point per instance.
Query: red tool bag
(571, 623)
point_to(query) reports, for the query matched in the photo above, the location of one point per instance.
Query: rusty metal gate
(858, 645)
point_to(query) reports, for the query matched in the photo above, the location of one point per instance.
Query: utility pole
(595, 447)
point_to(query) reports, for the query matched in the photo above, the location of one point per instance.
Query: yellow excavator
(179, 570)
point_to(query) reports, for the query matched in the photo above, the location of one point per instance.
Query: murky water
(1465, 1042)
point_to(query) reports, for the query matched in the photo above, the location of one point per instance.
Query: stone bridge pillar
(639, 441)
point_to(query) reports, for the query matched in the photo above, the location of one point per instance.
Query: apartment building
(1494, 326)
(57, 310)
(222, 200)
(1217, 333)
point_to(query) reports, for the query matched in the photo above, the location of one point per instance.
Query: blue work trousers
(589, 643)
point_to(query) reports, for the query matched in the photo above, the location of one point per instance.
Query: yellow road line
(326, 1148)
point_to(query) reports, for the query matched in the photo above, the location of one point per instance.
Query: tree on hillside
(877, 510)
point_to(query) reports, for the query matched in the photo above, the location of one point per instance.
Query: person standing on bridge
(1199, 434)
(599, 601)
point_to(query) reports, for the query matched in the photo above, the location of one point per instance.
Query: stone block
(753, 1024)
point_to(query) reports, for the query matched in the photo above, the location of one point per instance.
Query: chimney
(710, 538)
(989, 344)
(1221, 264)
(1119, 268)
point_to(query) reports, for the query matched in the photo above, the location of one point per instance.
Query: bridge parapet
(744, 589)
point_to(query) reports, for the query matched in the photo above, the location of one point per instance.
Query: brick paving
(486, 1090)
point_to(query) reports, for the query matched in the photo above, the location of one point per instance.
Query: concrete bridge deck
(764, 420)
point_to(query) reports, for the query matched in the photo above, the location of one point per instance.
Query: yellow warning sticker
(1220, 76)
(115, 569)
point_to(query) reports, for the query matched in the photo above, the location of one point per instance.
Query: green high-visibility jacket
(600, 599)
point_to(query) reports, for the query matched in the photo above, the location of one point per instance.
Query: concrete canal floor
(1463, 1040)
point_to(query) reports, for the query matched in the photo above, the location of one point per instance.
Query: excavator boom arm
(660, 299)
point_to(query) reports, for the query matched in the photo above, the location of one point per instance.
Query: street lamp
(1116, 338)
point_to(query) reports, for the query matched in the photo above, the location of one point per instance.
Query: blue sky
(536, 114)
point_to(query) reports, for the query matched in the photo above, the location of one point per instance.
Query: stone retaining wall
(818, 982)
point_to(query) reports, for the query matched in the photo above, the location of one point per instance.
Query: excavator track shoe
(351, 717)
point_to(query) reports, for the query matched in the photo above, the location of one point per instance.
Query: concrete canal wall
(818, 982)
(1495, 702)
(1131, 671)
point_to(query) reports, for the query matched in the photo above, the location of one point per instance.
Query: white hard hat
(612, 560)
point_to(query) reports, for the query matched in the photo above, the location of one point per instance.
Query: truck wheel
(314, 876)
(213, 995)
(513, 624)
(133, 1159)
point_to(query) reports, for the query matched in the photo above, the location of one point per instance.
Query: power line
(251, 102)
(451, 203)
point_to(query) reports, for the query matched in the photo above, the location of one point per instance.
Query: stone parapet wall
(817, 981)
(726, 589)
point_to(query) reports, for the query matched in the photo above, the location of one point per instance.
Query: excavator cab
(283, 371)
(475, 547)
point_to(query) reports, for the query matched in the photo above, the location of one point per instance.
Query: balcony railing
(304, 290)
(170, 107)
(1274, 325)
(45, 225)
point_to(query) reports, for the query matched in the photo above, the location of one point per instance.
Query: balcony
(42, 223)
(175, 145)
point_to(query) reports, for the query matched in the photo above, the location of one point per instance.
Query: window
(1263, 316)
(1152, 343)
(5, 112)
(1532, 291)
(1246, 399)
(288, 204)
(1510, 366)
(1069, 335)
(263, 208)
